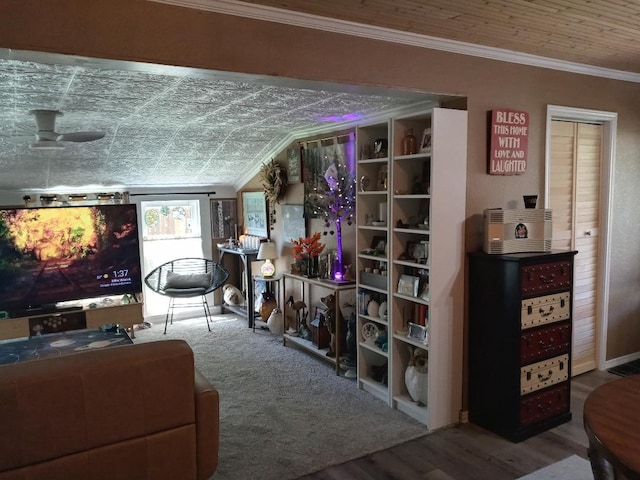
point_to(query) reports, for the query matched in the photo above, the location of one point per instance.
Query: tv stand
(125, 314)
(44, 310)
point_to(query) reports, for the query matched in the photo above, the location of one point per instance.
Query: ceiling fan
(48, 138)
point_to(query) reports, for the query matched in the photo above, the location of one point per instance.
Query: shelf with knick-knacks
(420, 370)
(373, 337)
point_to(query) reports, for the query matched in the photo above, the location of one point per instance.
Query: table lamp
(267, 253)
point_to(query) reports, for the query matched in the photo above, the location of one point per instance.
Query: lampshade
(267, 252)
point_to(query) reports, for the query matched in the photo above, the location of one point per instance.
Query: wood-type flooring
(468, 452)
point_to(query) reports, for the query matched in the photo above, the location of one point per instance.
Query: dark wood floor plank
(468, 451)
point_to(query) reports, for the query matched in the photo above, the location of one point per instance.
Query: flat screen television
(59, 254)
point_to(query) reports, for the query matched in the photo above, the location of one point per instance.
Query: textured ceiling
(165, 127)
(172, 127)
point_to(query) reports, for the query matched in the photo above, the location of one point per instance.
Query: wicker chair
(187, 278)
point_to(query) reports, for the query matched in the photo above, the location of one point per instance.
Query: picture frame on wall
(224, 221)
(293, 223)
(294, 167)
(255, 213)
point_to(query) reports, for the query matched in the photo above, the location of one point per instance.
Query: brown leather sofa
(137, 411)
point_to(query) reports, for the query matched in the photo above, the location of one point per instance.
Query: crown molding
(276, 15)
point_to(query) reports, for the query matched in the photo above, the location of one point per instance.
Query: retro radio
(517, 230)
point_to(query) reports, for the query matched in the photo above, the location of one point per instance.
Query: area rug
(571, 468)
(629, 368)
(284, 413)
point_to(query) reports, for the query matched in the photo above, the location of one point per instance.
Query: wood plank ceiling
(602, 33)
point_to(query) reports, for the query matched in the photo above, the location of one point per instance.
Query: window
(170, 230)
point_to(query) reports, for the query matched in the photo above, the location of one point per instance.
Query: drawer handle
(542, 378)
(543, 408)
(546, 314)
(545, 279)
(543, 345)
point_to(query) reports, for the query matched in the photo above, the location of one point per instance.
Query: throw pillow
(188, 280)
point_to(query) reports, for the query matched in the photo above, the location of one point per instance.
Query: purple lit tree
(338, 206)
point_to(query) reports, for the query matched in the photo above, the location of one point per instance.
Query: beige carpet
(284, 412)
(571, 468)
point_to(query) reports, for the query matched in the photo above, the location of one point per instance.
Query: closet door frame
(609, 121)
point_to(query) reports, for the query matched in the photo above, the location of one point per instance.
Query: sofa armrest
(207, 402)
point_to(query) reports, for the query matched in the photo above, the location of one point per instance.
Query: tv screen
(58, 254)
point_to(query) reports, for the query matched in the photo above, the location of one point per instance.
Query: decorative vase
(276, 322)
(313, 267)
(416, 375)
(382, 310)
(409, 143)
(269, 303)
(373, 308)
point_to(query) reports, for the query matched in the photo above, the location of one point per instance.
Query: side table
(273, 286)
(246, 257)
(334, 287)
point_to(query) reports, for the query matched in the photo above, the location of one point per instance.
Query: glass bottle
(409, 143)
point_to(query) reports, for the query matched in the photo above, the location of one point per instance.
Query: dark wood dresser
(520, 341)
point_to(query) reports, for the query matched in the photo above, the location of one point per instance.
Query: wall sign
(508, 142)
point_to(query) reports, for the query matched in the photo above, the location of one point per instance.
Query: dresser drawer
(545, 309)
(545, 278)
(544, 342)
(537, 376)
(540, 406)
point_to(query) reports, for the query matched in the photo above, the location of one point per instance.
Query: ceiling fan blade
(47, 145)
(18, 139)
(80, 136)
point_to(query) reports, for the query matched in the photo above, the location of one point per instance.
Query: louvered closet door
(576, 153)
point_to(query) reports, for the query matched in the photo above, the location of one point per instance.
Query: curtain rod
(172, 193)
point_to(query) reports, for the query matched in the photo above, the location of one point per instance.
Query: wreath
(274, 180)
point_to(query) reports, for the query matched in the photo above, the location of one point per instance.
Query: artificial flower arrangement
(309, 247)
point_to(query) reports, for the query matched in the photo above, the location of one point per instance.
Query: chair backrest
(194, 273)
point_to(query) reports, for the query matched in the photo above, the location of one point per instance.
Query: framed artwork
(379, 243)
(293, 223)
(417, 251)
(254, 213)
(381, 184)
(328, 162)
(224, 218)
(408, 285)
(417, 332)
(425, 144)
(294, 168)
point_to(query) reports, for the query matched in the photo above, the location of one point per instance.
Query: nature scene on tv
(49, 255)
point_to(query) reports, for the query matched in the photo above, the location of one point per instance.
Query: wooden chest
(520, 308)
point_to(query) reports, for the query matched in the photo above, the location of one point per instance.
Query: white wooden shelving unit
(430, 184)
